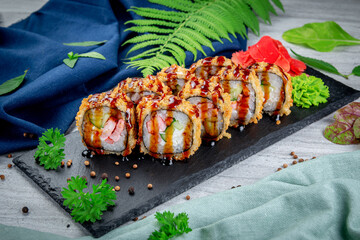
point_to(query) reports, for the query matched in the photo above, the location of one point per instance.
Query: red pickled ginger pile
(271, 51)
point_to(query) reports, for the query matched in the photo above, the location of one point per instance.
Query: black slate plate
(169, 181)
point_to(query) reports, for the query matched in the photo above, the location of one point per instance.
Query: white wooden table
(17, 191)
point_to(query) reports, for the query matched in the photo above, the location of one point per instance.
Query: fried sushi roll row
(174, 77)
(169, 127)
(210, 66)
(277, 88)
(246, 95)
(136, 88)
(106, 122)
(213, 105)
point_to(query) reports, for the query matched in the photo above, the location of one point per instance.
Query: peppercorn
(104, 176)
(92, 174)
(149, 186)
(292, 153)
(9, 155)
(294, 162)
(68, 225)
(187, 197)
(131, 190)
(127, 175)
(135, 166)
(301, 160)
(285, 165)
(295, 156)
(25, 209)
(117, 188)
(87, 163)
(9, 165)
(117, 178)
(2, 177)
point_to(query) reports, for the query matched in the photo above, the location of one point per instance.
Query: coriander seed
(135, 166)
(295, 157)
(62, 164)
(127, 175)
(131, 190)
(279, 169)
(187, 197)
(2, 177)
(149, 186)
(292, 153)
(9, 155)
(135, 219)
(9, 165)
(294, 162)
(301, 160)
(117, 178)
(117, 163)
(117, 188)
(285, 165)
(87, 163)
(92, 174)
(104, 176)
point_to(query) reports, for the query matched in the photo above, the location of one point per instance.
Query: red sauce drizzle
(207, 61)
(220, 60)
(173, 102)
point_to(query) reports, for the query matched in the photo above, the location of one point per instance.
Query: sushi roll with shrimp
(106, 122)
(213, 104)
(174, 77)
(246, 95)
(136, 88)
(210, 66)
(277, 88)
(169, 127)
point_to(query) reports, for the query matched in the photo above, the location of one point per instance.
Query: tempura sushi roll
(174, 77)
(213, 104)
(169, 127)
(136, 88)
(106, 122)
(277, 88)
(246, 95)
(210, 66)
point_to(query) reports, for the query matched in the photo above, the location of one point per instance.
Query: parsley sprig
(170, 226)
(51, 155)
(87, 206)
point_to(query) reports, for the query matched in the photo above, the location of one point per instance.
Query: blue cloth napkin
(51, 93)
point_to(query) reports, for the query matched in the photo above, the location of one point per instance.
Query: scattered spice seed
(295, 157)
(127, 175)
(279, 169)
(135, 166)
(2, 176)
(9, 155)
(68, 225)
(92, 174)
(292, 153)
(131, 190)
(285, 165)
(117, 188)
(232, 187)
(135, 219)
(104, 176)
(9, 165)
(87, 163)
(68, 179)
(25, 134)
(187, 197)
(117, 178)
(313, 157)
(117, 163)
(143, 217)
(294, 162)
(25, 209)
(278, 122)
(301, 160)
(238, 186)
(62, 163)
(69, 163)
(149, 186)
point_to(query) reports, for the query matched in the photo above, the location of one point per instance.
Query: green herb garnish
(190, 26)
(86, 43)
(322, 37)
(51, 155)
(170, 226)
(86, 206)
(71, 61)
(12, 84)
(309, 91)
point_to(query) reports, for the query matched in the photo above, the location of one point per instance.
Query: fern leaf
(146, 44)
(146, 22)
(192, 25)
(143, 38)
(150, 29)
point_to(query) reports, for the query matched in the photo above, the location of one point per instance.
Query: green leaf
(356, 71)
(86, 43)
(316, 63)
(50, 155)
(70, 62)
(191, 26)
(12, 84)
(92, 55)
(322, 37)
